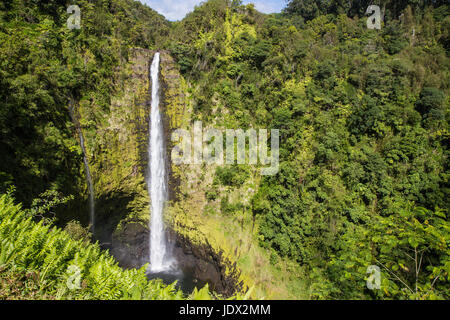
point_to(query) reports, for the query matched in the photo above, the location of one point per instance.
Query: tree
(430, 99)
(308, 9)
(412, 248)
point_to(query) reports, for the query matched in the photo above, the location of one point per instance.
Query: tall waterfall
(160, 256)
(90, 185)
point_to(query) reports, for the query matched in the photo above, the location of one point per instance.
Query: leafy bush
(51, 254)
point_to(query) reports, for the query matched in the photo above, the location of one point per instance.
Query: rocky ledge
(127, 236)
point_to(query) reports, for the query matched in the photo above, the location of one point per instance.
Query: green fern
(48, 251)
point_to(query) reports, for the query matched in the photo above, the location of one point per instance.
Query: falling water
(160, 257)
(87, 170)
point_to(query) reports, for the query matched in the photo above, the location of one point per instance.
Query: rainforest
(348, 100)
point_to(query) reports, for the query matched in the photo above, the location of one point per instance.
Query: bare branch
(395, 276)
(420, 262)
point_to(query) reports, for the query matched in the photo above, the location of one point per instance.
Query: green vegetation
(363, 118)
(43, 255)
(40, 261)
(45, 69)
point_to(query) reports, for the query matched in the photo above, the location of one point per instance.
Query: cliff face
(118, 158)
(210, 263)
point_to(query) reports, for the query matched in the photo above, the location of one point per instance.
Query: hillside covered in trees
(363, 118)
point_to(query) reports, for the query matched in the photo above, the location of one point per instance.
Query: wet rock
(207, 266)
(130, 246)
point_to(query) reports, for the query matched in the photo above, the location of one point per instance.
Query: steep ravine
(120, 166)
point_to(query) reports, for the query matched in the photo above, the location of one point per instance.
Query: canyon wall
(118, 158)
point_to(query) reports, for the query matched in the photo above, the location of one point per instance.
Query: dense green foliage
(310, 9)
(40, 261)
(363, 116)
(47, 254)
(44, 68)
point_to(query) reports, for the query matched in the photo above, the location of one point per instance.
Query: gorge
(359, 115)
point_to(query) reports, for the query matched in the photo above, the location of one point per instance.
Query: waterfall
(90, 185)
(160, 257)
(86, 168)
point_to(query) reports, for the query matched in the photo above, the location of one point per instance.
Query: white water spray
(90, 186)
(160, 257)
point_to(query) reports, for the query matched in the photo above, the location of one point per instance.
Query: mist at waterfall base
(89, 182)
(163, 264)
(186, 281)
